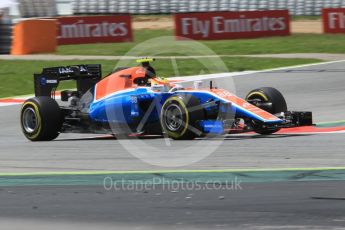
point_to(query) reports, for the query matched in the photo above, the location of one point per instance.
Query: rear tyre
(268, 95)
(41, 119)
(179, 117)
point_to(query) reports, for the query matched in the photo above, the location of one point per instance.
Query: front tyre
(179, 117)
(41, 119)
(274, 98)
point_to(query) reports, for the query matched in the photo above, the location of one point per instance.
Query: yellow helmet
(141, 60)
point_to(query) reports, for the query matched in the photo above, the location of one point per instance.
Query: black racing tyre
(269, 94)
(272, 95)
(179, 117)
(40, 119)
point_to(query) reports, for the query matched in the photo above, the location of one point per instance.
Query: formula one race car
(133, 100)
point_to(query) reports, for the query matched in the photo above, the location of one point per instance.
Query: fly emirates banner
(94, 29)
(232, 25)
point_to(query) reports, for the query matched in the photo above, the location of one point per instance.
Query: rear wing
(86, 76)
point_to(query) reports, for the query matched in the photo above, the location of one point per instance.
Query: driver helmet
(145, 63)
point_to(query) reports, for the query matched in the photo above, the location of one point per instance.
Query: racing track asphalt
(266, 205)
(287, 205)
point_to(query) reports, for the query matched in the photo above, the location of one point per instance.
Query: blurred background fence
(43, 8)
(296, 7)
(37, 8)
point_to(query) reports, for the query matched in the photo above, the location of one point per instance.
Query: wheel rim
(261, 99)
(29, 120)
(173, 117)
(257, 97)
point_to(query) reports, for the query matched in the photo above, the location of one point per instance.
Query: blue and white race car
(133, 100)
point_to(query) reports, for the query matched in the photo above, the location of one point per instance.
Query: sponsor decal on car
(230, 25)
(64, 70)
(45, 81)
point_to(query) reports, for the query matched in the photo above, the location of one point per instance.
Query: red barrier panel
(231, 25)
(333, 20)
(94, 29)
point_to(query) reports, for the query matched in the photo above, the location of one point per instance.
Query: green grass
(302, 17)
(16, 77)
(296, 43)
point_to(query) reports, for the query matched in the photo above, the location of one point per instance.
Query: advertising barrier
(94, 29)
(232, 25)
(333, 20)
